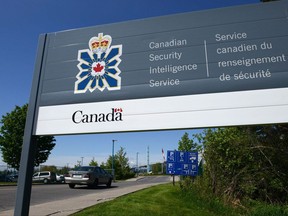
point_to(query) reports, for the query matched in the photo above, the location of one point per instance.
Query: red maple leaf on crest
(98, 68)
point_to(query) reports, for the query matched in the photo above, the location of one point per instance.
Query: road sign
(182, 163)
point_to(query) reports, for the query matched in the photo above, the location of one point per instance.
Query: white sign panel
(209, 110)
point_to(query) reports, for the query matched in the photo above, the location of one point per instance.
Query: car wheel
(109, 183)
(95, 184)
(71, 186)
(45, 181)
(90, 186)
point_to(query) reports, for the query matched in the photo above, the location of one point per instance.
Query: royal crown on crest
(100, 44)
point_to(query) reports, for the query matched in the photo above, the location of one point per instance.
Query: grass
(8, 183)
(159, 200)
(263, 209)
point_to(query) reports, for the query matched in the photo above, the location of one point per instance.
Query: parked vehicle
(4, 178)
(45, 177)
(13, 178)
(88, 175)
(60, 178)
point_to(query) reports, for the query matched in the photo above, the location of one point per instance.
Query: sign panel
(199, 69)
(182, 163)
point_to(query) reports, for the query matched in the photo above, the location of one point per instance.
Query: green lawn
(159, 200)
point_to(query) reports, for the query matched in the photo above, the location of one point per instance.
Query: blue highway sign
(182, 163)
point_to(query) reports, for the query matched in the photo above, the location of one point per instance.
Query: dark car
(88, 175)
(4, 178)
(13, 178)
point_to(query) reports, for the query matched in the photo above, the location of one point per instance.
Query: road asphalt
(75, 204)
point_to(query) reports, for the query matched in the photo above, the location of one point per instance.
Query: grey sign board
(179, 61)
(230, 50)
(223, 50)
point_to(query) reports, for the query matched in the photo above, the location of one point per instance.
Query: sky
(21, 24)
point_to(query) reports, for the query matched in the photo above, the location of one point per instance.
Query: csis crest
(98, 66)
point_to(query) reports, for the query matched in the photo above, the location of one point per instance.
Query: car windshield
(84, 168)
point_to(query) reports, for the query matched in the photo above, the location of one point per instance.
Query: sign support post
(29, 141)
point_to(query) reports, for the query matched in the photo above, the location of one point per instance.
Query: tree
(121, 165)
(93, 162)
(272, 151)
(226, 160)
(186, 144)
(157, 168)
(49, 168)
(250, 161)
(11, 139)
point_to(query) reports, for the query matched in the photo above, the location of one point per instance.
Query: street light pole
(113, 173)
(137, 166)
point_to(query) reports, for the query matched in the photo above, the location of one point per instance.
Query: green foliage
(157, 168)
(263, 209)
(49, 168)
(45, 145)
(93, 162)
(62, 170)
(11, 139)
(186, 185)
(121, 165)
(247, 162)
(103, 165)
(187, 144)
(199, 192)
(190, 190)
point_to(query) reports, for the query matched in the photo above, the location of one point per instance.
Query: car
(60, 178)
(4, 178)
(44, 177)
(13, 178)
(88, 175)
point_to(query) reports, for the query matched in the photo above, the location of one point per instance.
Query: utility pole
(148, 166)
(137, 166)
(113, 173)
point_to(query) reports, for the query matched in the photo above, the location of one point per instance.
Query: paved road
(53, 199)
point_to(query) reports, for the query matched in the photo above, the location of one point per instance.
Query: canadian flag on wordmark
(163, 154)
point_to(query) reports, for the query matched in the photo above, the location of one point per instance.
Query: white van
(44, 176)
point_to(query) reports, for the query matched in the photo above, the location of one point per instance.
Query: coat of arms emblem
(98, 65)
